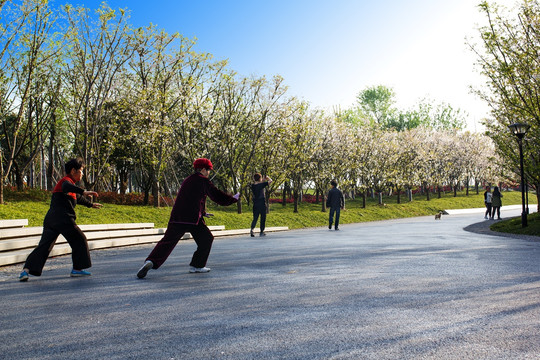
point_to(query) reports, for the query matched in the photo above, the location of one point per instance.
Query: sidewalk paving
(532, 208)
(414, 288)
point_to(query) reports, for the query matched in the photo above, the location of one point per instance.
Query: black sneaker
(251, 233)
(144, 270)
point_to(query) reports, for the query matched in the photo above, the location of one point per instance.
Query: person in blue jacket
(335, 202)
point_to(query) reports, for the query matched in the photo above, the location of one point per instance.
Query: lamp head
(519, 129)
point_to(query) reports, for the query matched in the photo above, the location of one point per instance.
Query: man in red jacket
(60, 219)
(187, 215)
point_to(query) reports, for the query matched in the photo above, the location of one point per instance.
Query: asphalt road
(404, 289)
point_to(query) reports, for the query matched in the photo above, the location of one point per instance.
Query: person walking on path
(187, 215)
(258, 188)
(60, 219)
(496, 203)
(335, 202)
(487, 202)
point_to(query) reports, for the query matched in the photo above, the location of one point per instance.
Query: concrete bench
(17, 223)
(17, 241)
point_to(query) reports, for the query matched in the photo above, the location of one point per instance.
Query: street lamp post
(520, 130)
(527, 197)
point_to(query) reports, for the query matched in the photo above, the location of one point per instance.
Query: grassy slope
(33, 207)
(513, 226)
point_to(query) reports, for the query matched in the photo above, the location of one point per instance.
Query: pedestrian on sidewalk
(258, 189)
(335, 201)
(187, 215)
(60, 219)
(496, 203)
(487, 201)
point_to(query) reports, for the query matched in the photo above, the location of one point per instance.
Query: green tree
(272, 156)
(244, 118)
(508, 60)
(99, 47)
(377, 102)
(196, 128)
(27, 49)
(298, 145)
(156, 98)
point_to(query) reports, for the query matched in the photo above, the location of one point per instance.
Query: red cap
(202, 163)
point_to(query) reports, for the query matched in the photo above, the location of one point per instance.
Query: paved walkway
(402, 289)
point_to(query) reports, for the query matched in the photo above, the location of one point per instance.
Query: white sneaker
(193, 270)
(144, 269)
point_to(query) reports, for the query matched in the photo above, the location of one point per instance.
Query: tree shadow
(482, 227)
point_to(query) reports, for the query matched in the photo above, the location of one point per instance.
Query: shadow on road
(482, 227)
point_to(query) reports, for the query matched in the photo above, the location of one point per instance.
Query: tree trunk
(295, 197)
(364, 199)
(284, 194)
(155, 191)
(31, 180)
(123, 179)
(50, 170)
(537, 197)
(2, 178)
(146, 188)
(18, 177)
(239, 203)
(146, 197)
(50, 165)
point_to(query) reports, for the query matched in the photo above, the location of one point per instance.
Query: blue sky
(328, 51)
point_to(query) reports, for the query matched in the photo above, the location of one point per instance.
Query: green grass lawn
(513, 225)
(34, 207)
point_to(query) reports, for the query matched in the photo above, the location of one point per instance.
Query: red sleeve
(218, 196)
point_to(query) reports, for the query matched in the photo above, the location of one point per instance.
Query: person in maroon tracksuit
(60, 219)
(187, 215)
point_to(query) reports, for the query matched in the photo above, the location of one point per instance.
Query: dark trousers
(80, 254)
(259, 209)
(331, 217)
(201, 234)
(488, 209)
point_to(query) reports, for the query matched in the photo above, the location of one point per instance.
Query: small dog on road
(438, 216)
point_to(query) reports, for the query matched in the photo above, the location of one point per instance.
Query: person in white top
(487, 201)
